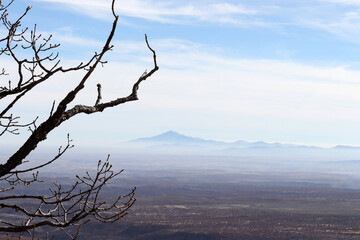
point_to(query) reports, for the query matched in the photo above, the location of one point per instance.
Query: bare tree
(61, 207)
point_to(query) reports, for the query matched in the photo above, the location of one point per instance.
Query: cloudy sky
(274, 70)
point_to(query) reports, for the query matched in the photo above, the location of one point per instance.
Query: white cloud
(161, 11)
(323, 15)
(68, 37)
(346, 2)
(341, 23)
(195, 80)
(227, 8)
(197, 89)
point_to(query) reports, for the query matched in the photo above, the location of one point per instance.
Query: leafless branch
(64, 206)
(99, 94)
(61, 113)
(12, 125)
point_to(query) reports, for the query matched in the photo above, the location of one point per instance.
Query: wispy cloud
(340, 18)
(324, 15)
(346, 2)
(161, 10)
(66, 35)
(196, 80)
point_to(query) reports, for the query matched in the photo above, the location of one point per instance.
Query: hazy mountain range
(173, 142)
(173, 155)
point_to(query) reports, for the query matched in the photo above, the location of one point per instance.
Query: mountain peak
(175, 142)
(170, 137)
(170, 133)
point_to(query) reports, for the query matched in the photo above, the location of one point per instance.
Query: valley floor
(202, 207)
(174, 210)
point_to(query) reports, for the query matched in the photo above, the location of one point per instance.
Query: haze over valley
(191, 188)
(173, 155)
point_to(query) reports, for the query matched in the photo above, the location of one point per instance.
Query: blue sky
(275, 70)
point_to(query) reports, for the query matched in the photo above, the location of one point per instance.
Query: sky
(275, 70)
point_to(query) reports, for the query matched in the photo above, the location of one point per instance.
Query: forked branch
(61, 113)
(66, 207)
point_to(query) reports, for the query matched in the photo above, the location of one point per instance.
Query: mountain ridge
(175, 137)
(172, 142)
(172, 136)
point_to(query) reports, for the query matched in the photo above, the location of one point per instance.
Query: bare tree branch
(64, 206)
(99, 94)
(61, 114)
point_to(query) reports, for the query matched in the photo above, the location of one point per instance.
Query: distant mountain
(173, 142)
(345, 147)
(173, 137)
